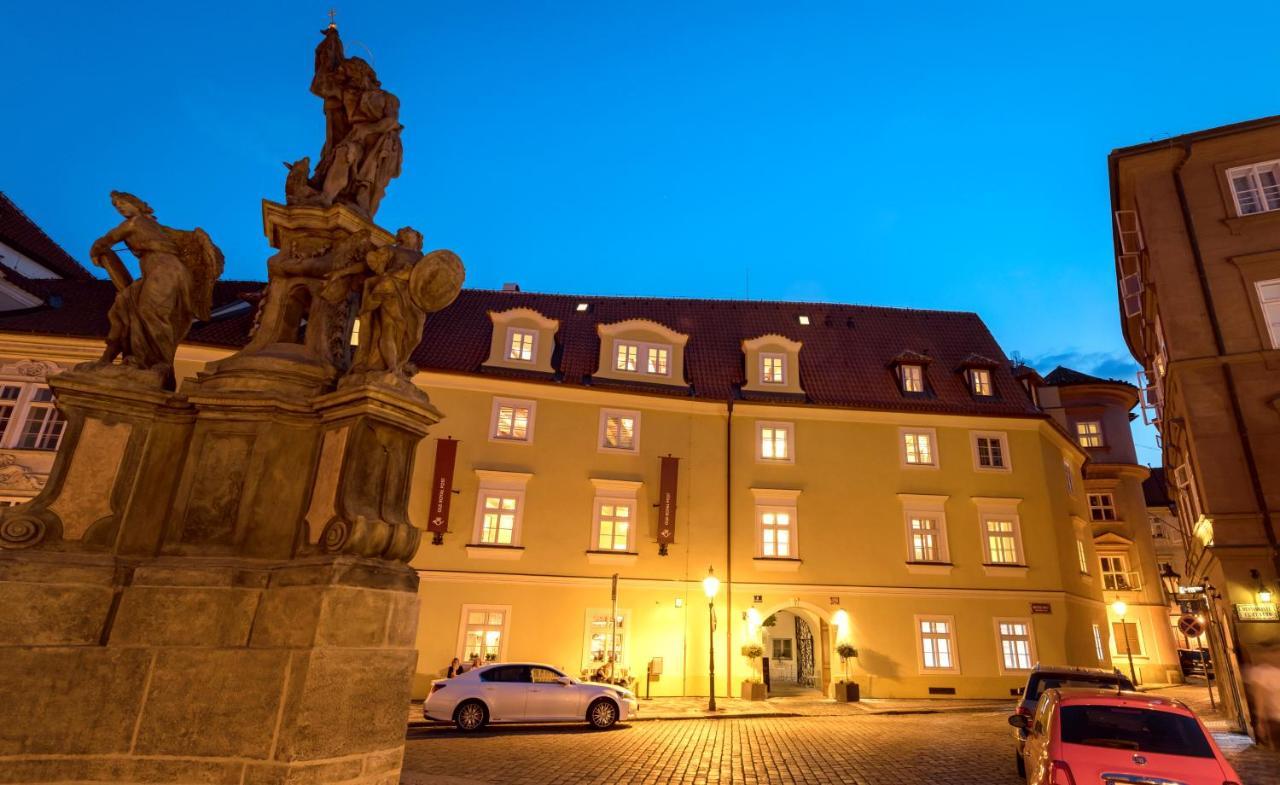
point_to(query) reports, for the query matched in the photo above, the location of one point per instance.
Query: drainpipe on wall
(728, 550)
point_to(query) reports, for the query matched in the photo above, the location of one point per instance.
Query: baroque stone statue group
(217, 572)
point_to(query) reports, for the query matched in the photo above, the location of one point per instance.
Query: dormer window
(521, 345)
(980, 382)
(631, 357)
(773, 368)
(912, 377)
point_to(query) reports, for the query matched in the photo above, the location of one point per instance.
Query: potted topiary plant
(844, 690)
(753, 687)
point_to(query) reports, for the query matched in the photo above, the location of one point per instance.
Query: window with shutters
(1256, 187)
(1126, 632)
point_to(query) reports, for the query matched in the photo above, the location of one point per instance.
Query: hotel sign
(442, 489)
(1257, 611)
(667, 503)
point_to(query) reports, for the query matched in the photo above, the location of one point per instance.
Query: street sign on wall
(1257, 611)
(1041, 607)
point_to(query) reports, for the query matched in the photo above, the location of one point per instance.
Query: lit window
(355, 333)
(773, 369)
(980, 379)
(990, 451)
(581, 307)
(1097, 642)
(1015, 645)
(937, 643)
(1269, 298)
(912, 378)
(918, 448)
(483, 633)
(1116, 575)
(1102, 507)
(804, 320)
(657, 360)
(613, 525)
(1070, 473)
(926, 539)
(775, 441)
(776, 540)
(1256, 188)
(44, 424)
(1082, 557)
(600, 628)
(512, 420)
(1089, 433)
(520, 345)
(1000, 539)
(619, 431)
(498, 519)
(628, 356)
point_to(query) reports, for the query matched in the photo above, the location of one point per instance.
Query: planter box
(753, 691)
(846, 692)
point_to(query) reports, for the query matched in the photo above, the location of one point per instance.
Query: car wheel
(470, 716)
(1020, 764)
(602, 713)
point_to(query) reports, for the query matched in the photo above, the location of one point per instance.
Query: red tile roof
(845, 361)
(22, 234)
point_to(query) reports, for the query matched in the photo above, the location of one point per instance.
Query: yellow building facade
(850, 475)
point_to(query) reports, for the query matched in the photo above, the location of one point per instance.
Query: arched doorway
(797, 643)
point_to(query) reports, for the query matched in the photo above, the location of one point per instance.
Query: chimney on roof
(511, 287)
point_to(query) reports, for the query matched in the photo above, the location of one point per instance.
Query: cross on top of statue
(332, 24)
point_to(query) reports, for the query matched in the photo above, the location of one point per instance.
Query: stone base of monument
(213, 586)
(220, 671)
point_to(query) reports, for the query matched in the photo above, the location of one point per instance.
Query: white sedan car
(525, 692)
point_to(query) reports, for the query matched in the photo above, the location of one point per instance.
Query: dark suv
(1048, 677)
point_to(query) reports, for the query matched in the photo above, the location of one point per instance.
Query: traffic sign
(1190, 626)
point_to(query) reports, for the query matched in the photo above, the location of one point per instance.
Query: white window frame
(785, 427)
(1069, 470)
(1000, 644)
(952, 641)
(1000, 509)
(514, 403)
(981, 383)
(463, 625)
(1118, 651)
(512, 332)
(602, 446)
(909, 373)
(1125, 572)
(918, 507)
(623, 634)
(615, 492)
(999, 436)
(24, 406)
(1106, 500)
(774, 500)
(781, 359)
(500, 484)
(932, 433)
(1089, 431)
(643, 350)
(1097, 643)
(1270, 309)
(1255, 185)
(1082, 555)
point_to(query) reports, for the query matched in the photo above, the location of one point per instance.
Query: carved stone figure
(151, 315)
(400, 288)
(297, 190)
(15, 475)
(362, 150)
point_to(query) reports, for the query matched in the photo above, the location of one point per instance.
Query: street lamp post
(711, 587)
(1119, 607)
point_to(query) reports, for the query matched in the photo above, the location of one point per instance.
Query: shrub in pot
(753, 688)
(844, 690)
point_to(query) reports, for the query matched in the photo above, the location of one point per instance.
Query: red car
(1109, 737)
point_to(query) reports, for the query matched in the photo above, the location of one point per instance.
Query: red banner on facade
(667, 503)
(442, 489)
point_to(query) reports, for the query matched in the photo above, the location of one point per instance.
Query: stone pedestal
(213, 587)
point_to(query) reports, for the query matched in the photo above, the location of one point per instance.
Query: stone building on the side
(1097, 413)
(1196, 222)
(861, 474)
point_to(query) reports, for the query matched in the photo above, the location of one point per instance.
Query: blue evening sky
(948, 155)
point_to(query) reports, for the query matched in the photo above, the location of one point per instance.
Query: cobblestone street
(871, 750)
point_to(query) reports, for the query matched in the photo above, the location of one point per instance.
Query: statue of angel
(151, 315)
